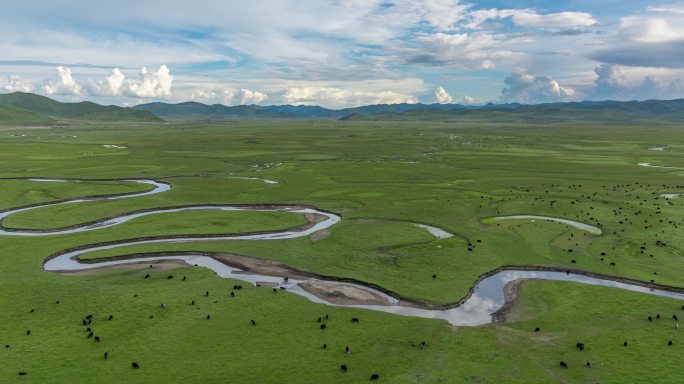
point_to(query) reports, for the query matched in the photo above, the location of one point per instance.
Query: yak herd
(622, 219)
(87, 323)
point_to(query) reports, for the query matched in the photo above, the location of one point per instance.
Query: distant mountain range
(29, 109)
(198, 111)
(653, 111)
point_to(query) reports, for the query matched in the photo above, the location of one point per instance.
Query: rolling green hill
(622, 112)
(216, 112)
(13, 116)
(85, 110)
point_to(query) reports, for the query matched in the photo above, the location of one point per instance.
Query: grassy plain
(382, 178)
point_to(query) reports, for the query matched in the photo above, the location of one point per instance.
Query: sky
(342, 53)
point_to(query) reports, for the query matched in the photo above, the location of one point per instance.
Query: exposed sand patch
(253, 266)
(320, 235)
(511, 291)
(344, 294)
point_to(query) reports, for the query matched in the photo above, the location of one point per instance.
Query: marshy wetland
(565, 227)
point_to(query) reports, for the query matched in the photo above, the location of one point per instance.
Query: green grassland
(381, 177)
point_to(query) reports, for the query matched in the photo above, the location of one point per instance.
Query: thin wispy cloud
(340, 53)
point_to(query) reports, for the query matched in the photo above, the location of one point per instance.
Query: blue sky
(340, 53)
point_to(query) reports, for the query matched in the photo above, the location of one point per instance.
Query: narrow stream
(487, 298)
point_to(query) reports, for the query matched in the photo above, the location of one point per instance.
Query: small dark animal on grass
(325, 346)
(97, 339)
(624, 344)
(169, 277)
(580, 346)
(135, 365)
(375, 376)
(588, 364)
(253, 322)
(147, 276)
(537, 329)
(343, 368)
(22, 373)
(323, 326)
(563, 364)
(355, 320)
(111, 317)
(346, 349)
(669, 342)
(106, 354)
(232, 294)
(28, 333)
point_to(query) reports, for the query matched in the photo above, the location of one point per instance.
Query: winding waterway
(486, 298)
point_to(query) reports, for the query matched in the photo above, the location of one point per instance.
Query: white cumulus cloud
(613, 82)
(14, 83)
(530, 89)
(212, 96)
(470, 100)
(152, 84)
(248, 97)
(64, 84)
(334, 97)
(442, 96)
(112, 85)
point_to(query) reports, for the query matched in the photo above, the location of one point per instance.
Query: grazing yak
(375, 376)
(563, 364)
(135, 365)
(343, 368)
